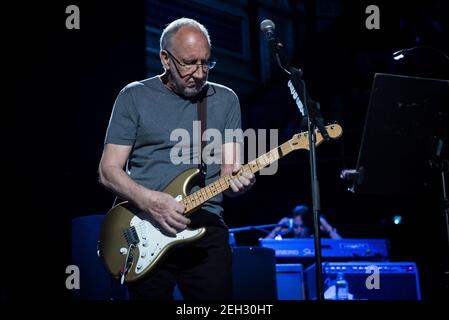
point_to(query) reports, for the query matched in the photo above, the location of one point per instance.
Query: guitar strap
(202, 117)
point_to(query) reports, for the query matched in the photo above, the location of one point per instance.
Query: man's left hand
(242, 182)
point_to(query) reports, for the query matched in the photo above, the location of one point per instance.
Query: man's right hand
(165, 210)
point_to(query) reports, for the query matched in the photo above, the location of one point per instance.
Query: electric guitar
(131, 244)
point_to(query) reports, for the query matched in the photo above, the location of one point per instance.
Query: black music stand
(403, 119)
(405, 137)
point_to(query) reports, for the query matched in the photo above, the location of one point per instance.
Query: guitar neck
(199, 197)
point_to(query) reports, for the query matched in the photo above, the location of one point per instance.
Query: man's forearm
(116, 180)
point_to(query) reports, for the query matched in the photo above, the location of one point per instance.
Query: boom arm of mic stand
(277, 47)
(311, 107)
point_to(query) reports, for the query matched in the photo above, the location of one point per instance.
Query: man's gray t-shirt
(144, 116)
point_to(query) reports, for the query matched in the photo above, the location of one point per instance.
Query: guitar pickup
(131, 236)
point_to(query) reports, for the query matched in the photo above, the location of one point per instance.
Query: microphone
(267, 27)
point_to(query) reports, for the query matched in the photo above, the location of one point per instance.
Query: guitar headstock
(301, 140)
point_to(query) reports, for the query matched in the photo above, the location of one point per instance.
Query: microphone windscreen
(266, 25)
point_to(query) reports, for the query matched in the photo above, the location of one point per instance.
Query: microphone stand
(314, 121)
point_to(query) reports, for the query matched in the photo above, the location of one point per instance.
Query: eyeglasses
(192, 67)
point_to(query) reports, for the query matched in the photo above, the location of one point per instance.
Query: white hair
(174, 26)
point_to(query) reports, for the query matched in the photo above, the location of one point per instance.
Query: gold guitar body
(131, 244)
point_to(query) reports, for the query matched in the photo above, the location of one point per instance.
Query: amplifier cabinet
(369, 280)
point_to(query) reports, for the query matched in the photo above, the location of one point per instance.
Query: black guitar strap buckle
(203, 170)
(202, 117)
